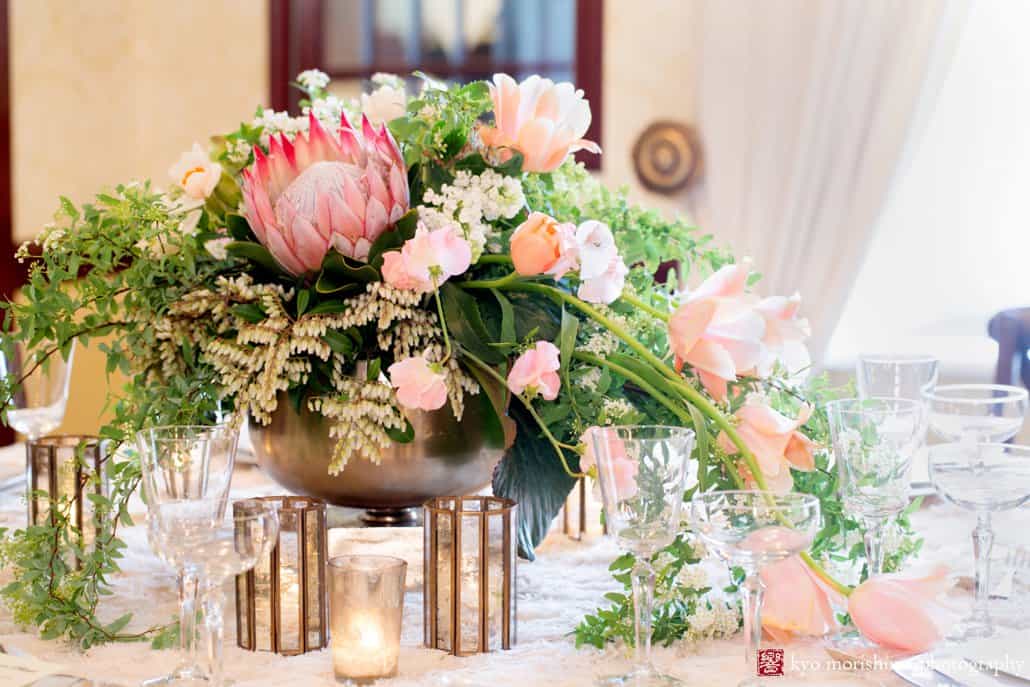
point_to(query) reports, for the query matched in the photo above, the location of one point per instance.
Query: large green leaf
(338, 273)
(567, 343)
(539, 317)
(238, 228)
(531, 474)
(393, 239)
(465, 323)
(255, 253)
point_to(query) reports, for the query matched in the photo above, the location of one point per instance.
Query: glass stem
(189, 588)
(983, 539)
(752, 610)
(214, 603)
(643, 603)
(874, 531)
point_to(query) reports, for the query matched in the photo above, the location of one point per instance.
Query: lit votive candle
(366, 604)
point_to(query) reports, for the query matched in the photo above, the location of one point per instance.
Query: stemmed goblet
(889, 375)
(186, 473)
(194, 536)
(42, 383)
(754, 529)
(874, 441)
(992, 477)
(976, 413)
(643, 472)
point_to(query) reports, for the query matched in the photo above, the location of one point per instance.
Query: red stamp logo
(770, 662)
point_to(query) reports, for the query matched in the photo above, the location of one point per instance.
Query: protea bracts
(323, 191)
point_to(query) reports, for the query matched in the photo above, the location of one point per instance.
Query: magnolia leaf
(498, 428)
(465, 323)
(255, 253)
(239, 228)
(393, 239)
(531, 474)
(338, 273)
(507, 318)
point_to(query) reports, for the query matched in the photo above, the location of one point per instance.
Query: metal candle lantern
(68, 468)
(281, 603)
(469, 574)
(581, 515)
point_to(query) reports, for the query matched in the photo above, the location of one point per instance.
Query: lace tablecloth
(567, 580)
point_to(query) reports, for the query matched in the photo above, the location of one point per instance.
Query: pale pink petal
(688, 323)
(795, 602)
(713, 358)
(897, 613)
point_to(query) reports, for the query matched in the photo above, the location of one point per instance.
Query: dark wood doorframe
(11, 273)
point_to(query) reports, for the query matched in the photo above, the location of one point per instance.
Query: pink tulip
(899, 613)
(775, 441)
(716, 331)
(323, 191)
(536, 371)
(623, 469)
(796, 602)
(420, 384)
(428, 259)
(542, 120)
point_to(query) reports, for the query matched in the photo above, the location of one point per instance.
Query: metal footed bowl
(447, 457)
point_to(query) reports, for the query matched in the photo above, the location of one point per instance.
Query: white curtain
(804, 111)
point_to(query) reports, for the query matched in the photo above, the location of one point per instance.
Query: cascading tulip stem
(691, 395)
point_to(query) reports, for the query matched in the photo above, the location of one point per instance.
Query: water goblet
(754, 529)
(888, 375)
(194, 535)
(874, 441)
(185, 469)
(42, 385)
(976, 413)
(643, 472)
(984, 478)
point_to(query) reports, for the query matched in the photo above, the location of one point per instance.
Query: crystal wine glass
(193, 534)
(976, 413)
(754, 529)
(41, 393)
(643, 472)
(185, 469)
(888, 375)
(874, 441)
(984, 478)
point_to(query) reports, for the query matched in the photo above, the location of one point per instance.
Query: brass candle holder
(469, 574)
(581, 514)
(67, 468)
(281, 604)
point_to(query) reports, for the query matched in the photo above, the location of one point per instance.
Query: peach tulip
(541, 245)
(796, 602)
(536, 371)
(785, 334)
(427, 260)
(623, 470)
(900, 613)
(716, 331)
(420, 384)
(542, 120)
(775, 441)
(196, 173)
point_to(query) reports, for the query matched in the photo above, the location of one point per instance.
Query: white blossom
(313, 79)
(474, 201)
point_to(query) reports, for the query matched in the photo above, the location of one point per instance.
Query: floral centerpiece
(368, 258)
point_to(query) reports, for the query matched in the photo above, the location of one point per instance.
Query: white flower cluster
(313, 79)
(273, 122)
(474, 201)
(616, 409)
(713, 619)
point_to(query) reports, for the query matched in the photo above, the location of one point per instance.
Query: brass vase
(447, 457)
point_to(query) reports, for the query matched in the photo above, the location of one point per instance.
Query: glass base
(182, 677)
(647, 677)
(857, 653)
(973, 627)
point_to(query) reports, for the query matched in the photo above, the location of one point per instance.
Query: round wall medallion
(666, 157)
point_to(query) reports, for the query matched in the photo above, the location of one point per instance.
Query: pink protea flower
(536, 371)
(542, 120)
(324, 191)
